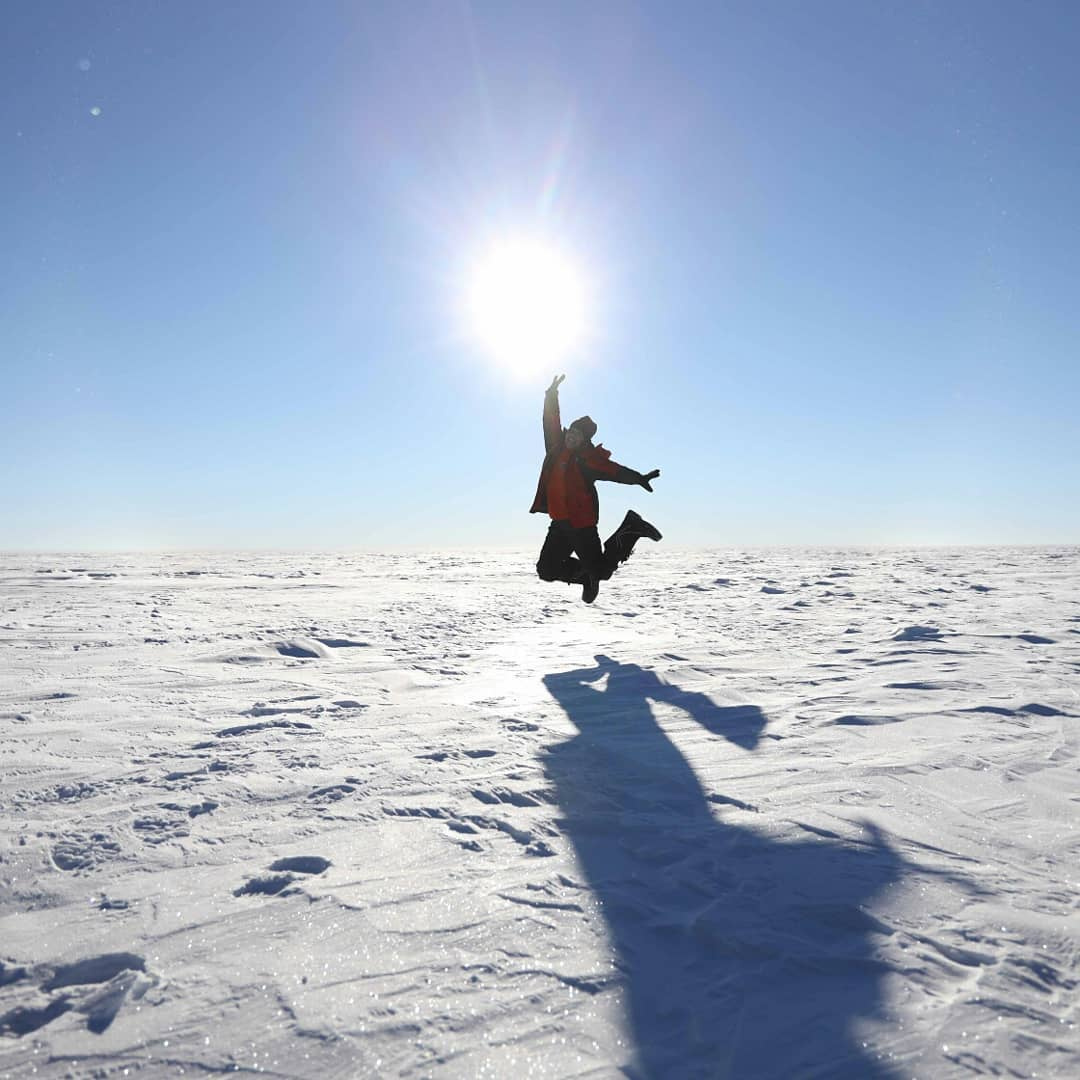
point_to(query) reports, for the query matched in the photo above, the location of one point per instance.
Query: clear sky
(833, 252)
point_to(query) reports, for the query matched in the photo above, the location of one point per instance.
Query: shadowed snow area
(755, 814)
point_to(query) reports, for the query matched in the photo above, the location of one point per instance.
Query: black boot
(590, 585)
(642, 527)
(633, 527)
(590, 588)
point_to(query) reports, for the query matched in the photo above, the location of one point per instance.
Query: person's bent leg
(618, 548)
(591, 558)
(589, 552)
(556, 562)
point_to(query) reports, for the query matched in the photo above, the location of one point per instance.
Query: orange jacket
(567, 486)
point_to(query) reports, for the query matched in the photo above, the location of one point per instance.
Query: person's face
(574, 439)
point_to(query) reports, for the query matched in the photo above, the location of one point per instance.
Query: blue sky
(835, 248)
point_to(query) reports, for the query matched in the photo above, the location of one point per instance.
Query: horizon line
(462, 549)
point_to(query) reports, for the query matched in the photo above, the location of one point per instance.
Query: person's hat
(586, 425)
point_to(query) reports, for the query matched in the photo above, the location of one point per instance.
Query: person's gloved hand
(646, 477)
(555, 383)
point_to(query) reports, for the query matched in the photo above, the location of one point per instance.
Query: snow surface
(758, 813)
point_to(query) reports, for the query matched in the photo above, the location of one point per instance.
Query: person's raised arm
(552, 419)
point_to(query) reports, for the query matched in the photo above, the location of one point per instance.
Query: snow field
(757, 813)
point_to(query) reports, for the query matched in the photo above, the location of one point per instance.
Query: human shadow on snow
(743, 956)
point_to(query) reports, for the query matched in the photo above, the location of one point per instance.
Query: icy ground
(757, 814)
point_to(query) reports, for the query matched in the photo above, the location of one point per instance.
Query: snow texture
(755, 814)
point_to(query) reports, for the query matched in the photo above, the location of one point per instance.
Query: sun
(526, 304)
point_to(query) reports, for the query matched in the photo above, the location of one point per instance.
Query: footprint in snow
(283, 874)
(519, 725)
(443, 755)
(333, 792)
(512, 798)
(294, 727)
(197, 775)
(207, 806)
(160, 830)
(268, 885)
(301, 649)
(79, 851)
(727, 800)
(527, 839)
(302, 864)
(97, 987)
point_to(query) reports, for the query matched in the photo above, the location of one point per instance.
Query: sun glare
(526, 305)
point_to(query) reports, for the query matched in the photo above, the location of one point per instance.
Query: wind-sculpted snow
(754, 814)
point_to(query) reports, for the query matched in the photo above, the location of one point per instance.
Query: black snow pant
(557, 560)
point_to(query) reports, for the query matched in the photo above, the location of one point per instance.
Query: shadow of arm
(739, 724)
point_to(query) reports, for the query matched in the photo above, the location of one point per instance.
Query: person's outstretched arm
(552, 419)
(623, 475)
(599, 465)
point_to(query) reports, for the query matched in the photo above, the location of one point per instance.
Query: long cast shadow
(743, 957)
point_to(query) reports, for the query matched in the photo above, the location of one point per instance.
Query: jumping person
(567, 493)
